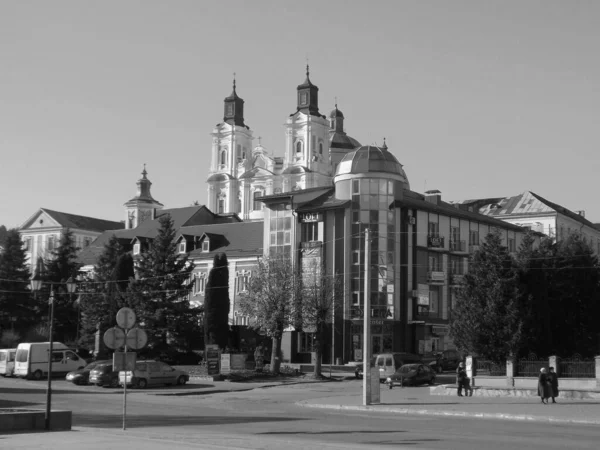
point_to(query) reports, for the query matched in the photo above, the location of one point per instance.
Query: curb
(438, 413)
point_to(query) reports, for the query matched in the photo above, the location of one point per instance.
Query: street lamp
(36, 285)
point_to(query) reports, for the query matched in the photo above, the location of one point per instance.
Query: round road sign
(126, 318)
(136, 338)
(114, 338)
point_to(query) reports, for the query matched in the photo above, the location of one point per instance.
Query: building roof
(235, 239)
(323, 202)
(338, 139)
(369, 158)
(75, 221)
(529, 204)
(299, 197)
(415, 200)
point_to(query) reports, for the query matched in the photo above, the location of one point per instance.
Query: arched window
(223, 158)
(320, 148)
(221, 207)
(299, 147)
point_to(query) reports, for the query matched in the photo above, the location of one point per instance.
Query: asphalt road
(269, 419)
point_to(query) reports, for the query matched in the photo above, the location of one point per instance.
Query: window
(136, 249)
(243, 281)
(320, 148)
(511, 246)
(205, 246)
(223, 157)
(306, 342)
(257, 204)
(456, 265)
(434, 263)
(199, 287)
(280, 231)
(51, 243)
(57, 356)
(298, 148)
(87, 241)
(309, 231)
(182, 247)
(313, 143)
(473, 237)
(221, 206)
(434, 229)
(239, 151)
(455, 234)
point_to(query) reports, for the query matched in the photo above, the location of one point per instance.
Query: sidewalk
(419, 401)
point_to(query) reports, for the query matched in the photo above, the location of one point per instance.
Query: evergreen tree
(60, 266)
(104, 294)
(216, 303)
(3, 234)
(16, 303)
(486, 318)
(160, 293)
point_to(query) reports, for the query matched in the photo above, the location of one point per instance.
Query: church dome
(336, 113)
(368, 159)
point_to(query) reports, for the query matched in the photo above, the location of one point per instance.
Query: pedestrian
(553, 378)
(461, 374)
(544, 386)
(259, 358)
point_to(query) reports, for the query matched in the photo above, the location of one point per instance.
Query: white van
(7, 361)
(31, 360)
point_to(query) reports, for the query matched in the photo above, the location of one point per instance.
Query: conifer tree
(16, 304)
(487, 318)
(216, 303)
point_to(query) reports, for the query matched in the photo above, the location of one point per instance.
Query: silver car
(153, 373)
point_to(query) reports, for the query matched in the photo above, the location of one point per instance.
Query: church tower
(306, 158)
(230, 157)
(141, 207)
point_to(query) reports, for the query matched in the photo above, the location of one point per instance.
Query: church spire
(308, 96)
(234, 108)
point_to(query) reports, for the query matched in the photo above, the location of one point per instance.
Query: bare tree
(269, 301)
(322, 295)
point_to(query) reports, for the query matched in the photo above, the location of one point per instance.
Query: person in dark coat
(553, 378)
(461, 375)
(544, 386)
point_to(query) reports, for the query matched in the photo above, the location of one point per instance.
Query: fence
(531, 365)
(490, 368)
(576, 367)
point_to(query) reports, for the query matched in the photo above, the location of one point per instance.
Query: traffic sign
(136, 338)
(114, 338)
(124, 361)
(125, 318)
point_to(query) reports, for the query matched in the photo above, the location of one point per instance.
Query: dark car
(412, 374)
(104, 375)
(440, 361)
(81, 376)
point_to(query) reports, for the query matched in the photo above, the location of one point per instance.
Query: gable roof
(235, 239)
(75, 221)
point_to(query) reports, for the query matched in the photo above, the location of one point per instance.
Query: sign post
(125, 336)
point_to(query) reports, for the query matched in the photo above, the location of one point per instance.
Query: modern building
(533, 212)
(41, 232)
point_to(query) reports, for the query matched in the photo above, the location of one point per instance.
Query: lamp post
(36, 285)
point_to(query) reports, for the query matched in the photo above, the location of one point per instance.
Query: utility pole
(367, 323)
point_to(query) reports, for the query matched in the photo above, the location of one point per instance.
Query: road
(269, 419)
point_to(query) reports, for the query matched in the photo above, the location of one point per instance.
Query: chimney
(434, 196)
(581, 213)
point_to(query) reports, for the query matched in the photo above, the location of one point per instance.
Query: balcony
(435, 242)
(458, 246)
(436, 277)
(473, 248)
(456, 279)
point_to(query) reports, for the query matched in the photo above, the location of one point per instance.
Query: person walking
(461, 375)
(544, 386)
(553, 379)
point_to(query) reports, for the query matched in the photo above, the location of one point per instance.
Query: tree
(216, 303)
(322, 294)
(269, 301)
(104, 292)
(486, 318)
(60, 266)
(3, 234)
(16, 303)
(160, 293)
(560, 285)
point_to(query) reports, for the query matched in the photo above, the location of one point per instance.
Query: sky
(475, 98)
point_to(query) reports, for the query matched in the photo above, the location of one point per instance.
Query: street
(267, 418)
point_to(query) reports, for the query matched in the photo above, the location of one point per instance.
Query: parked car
(153, 373)
(412, 374)
(7, 361)
(31, 360)
(440, 361)
(104, 375)
(81, 376)
(388, 363)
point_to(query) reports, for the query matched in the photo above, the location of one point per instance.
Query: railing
(531, 365)
(576, 367)
(490, 368)
(435, 241)
(458, 246)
